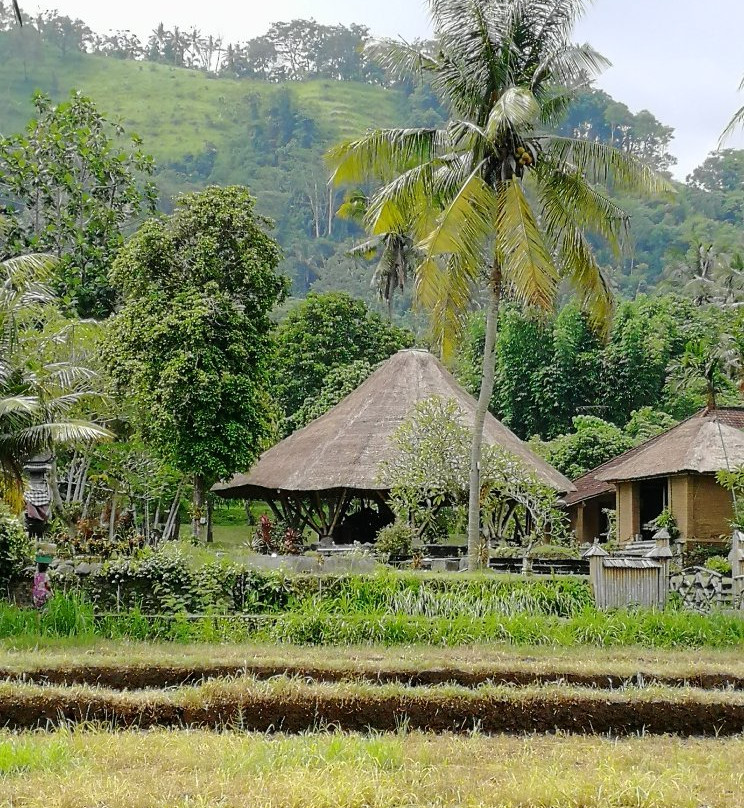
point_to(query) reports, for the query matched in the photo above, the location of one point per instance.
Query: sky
(680, 59)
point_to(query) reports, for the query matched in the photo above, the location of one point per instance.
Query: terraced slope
(178, 111)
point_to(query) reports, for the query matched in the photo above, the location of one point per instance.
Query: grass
(181, 768)
(308, 623)
(177, 111)
(627, 662)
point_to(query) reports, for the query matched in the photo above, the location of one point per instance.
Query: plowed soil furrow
(302, 710)
(158, 676)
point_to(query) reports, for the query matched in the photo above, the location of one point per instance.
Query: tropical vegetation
(496, 201)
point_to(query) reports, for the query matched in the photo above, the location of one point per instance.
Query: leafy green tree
(594, 115)
(191, 349)
(573, 381)
(15, 548)
(524, 358)
(551, 368)
(592, 443)
(646, 423)
(492, 197)
(429, 475)
(72, 190)
(325, 332)
(722, 170)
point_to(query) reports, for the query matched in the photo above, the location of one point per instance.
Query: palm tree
(395, 250)
(709, 277)
(734, 124)
(714, 362)
(493, 196)
(42, 388)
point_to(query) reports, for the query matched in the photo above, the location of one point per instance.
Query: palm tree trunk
(486, 391)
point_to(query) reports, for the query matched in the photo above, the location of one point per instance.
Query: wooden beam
(340, 509)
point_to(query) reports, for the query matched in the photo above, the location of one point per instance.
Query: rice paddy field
(88, 721)
(86, 767)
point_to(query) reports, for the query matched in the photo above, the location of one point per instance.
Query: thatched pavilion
(675, 470)
(312, 476)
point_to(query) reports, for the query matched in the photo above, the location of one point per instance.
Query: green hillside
(176, 110)
(202, 129)
(272, 135)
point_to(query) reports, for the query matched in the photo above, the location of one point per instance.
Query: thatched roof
(702, 444)
(343, 448)
(694, 445)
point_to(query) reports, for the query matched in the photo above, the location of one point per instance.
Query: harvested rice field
(125, 724)
(132, 665)
(91, 767)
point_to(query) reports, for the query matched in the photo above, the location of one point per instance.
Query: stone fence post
(663, 555)
(736, 557)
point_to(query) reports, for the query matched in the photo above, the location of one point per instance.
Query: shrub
(276, 537)
(666, 520)
(718, 563)
(554, 552)
(549, 552)
(508, 551)
(395, 540)
(697, 553)
(15, 547)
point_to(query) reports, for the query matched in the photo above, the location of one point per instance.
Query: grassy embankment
(130, 665)
(292, 705)
(91, 659)
(179, 769)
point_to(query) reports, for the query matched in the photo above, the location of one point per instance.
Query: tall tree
(191, 349)
(324, 332)
(72, 191)
(493, 197)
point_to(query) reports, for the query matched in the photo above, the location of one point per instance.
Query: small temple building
(313, 477)
(675, 470)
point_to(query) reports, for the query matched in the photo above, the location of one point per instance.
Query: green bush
(552, 552)
(507, 551)
(718, 563)
(549, 552)
(163, 582)
(697, 554)
(395, 540)
(15, 548)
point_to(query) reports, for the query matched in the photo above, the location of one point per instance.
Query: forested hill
(263, 113)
